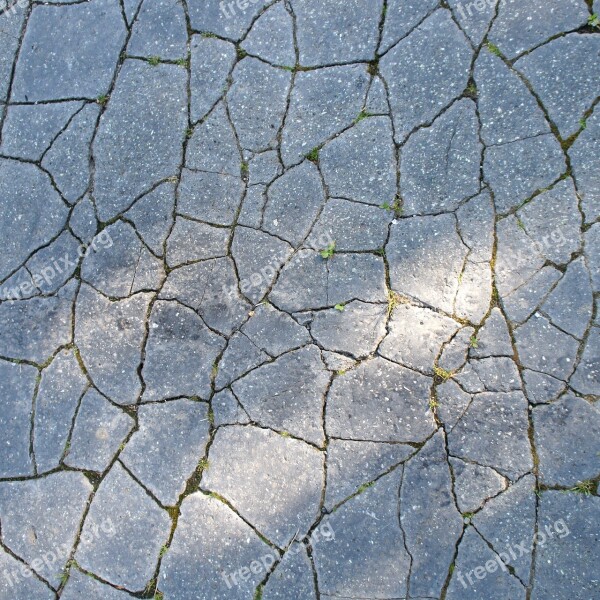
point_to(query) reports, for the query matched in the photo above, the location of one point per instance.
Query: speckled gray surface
(299, 300)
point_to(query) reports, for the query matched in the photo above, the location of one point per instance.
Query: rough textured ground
(299, 300)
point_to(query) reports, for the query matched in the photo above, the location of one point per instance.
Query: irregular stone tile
(10, 35)
(210, 197)
(452, 403)
(474, 484)
(496, 374)
(337, 362)
(264, 167)
(566, 456)
(81, 585)
(357, 329)
(140, 134)
(474, 17)
(91, 39)
(110, 336)
(180, 353)
(587, 376)
(274, 331)
(440, 164)
(14, 584)
(566, 563)
(240, 356)
(426, 257)
(258, 257)
(122, 265)
(493, 339)
(377, 102)
(213, 146)
(34, 329)
(425, 72)
(293, 203)
(252, 208)
(227, 20)
(190, 241)
(508, 110)
(29, 130)
(571, 303)
(474, 294)
(592, 253)
(17, 385)
(517, 169)
(41, 516)
(328, 35)
(585, 162)
(542, 388)
(68, 158)
(335, 95)
(272, 37)
(165, 450)
(293, 577)
(493, 432)
(52, 266)
(495, 582)
(99, 430)
(227, 410)
(454, 354)
(286, 498)
(566, 98)
(210, 288)
(61, 386)
(257, 102)
(353, 226)
(401, 17)
(542, 347)
(352, 464)
(360, 164)
(83, 222)
(210, 546)
(476, 223)
(160, 29)
(367, 557)
(416, 336)
(211, 61)
(19, 286)
(288, 394)
(130, 8)
(30, 206)
(380, 401)
(427, 505)
(510, 519)
(129, 556)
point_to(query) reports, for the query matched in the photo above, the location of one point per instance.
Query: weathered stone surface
(429, 517)
(493, 432)
(288, 394)
(335, 95)
(426, 71)
(496, 374)
(81, 585)
(10, 34)
(240, 356)
(586, 379)
(192, 241)
(476, 223)
(30, 206)
(474, 17)
(416, 336)
(567, 457)
(165, 450)
(41, 516)
(566, 98)
(211, 544)
(99, 430)
(139, 529)
(91, 38)
(377, 102)
(140, 134)
(227, 410)
(541, 388)
(401, 17)
(380, 401)
(293, 578)
(426, 257)
(110, 336)
(454, 354)
(17, 385)
(592, 253)
(367, 557)
(61, 387)
(263, 168)
(180, 353)
(474, 484)
(328, 35)
(14, 585)
(440, 164)
(357, 329)
(83, 222)
(286, 496)
(344, 163)
(565, 564)
(493, 339)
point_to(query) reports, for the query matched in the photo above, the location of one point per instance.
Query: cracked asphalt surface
(299, 300)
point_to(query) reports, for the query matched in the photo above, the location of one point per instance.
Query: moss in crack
(313, 155)
(441, 375)
(586, 488)
(493, 49)
(154, 60)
